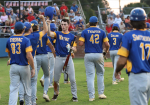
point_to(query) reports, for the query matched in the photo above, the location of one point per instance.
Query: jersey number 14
(142, 46)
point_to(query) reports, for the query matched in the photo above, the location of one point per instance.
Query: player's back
(18, 45)
(115, 39)
(41, 49)
(34, 39)
(138, 48)
(94, 38)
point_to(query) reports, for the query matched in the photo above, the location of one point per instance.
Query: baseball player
(115, 39)
(93, 38)
(42, 57)
(147, 26)
(62, 40)
(135, 52)
(34, 39)
(51, 59)
(19, 50)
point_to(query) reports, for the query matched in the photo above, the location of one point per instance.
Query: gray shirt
(8, 9)
(14, 16)
(42, 9)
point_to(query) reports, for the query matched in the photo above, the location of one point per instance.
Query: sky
(115, 4)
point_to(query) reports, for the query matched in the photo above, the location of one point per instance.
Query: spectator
(9, 18)
(25, 15)
(66, 16)
(13, 15)
(12, 24)
(117, 20)
(42, 10)
(148, 20)
(72, 28)
(2, 9)
(30, 17)
(21, 7)
(71, 14)
(104, 17)
(8, 10)
(110, 21)
(149, 14)
(62, 8)
(122, 26)
(74, 7)
(80, 25)
(76, 18)
(4, 17)
(17, 13)
(121, 14)
(17, 19)
(112, 15)
(6, 29)
(127, 22)
(108, 28)
(29, 9)
(57, 10)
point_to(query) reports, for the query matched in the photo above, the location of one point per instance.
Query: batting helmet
(138, 14)
(50, 11)
(147, 25)
(34, 22)
(53, 27)
(116, 25)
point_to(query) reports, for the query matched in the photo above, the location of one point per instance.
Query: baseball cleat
(55, 97)
(91, 99)
(51, 87)
(36, 98)
(66, 82)
(46, 97)
(114, 83)
(102, 96)
(121, 79)
(21, 102)
(42, 82)
(74, 99)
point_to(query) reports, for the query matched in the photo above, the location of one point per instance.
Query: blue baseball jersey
(62, 39)
(115, 39)
(93, 38)
(18, 46)
(136, 47)
(79, 24)
(41, 49)
(34, 39)
(47, 47)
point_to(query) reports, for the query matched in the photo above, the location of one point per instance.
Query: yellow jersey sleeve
(123, 52)
(41, 35)
(82, 39)
(29, 49)
(48, 41)
(7, 50)
(74, 44)
(54, 34)
(105, 39)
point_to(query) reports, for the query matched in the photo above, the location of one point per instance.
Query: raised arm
(45, 28)
(49, 33)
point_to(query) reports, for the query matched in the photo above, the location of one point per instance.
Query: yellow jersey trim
(65, 33)
(54, 41)
(105, 39)
(75, 44)
(123, 52)
(92, 26)
(48, 41)
(18, 35)
(129, 65)
(41, 35)
(29, 49)
(82, 39)
(54, 34)
(7, 50)
(115, 31)
(26, 34)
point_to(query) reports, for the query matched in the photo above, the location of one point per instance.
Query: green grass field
(116, 94)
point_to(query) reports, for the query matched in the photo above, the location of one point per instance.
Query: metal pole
(19, 11)
(119, 6)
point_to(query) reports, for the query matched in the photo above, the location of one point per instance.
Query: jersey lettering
(96, 37)
(14, 49)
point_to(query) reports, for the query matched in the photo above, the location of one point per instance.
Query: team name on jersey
(94, 31)
(140, 37)
(16, 39)
(63, 38)
(114, 35)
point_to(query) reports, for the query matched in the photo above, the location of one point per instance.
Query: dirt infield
(108, 64)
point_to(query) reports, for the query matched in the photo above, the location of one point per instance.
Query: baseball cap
(19, 25)
(93, 19)
(27, 25)
(54, 4)
(63, 2)
(34, 22)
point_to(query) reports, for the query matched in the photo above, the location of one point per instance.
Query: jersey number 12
(142, 46)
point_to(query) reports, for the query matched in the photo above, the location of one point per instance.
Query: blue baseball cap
(116, 25)
(27, 25)
(34, 22)
(93, 19)
(19, 25)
